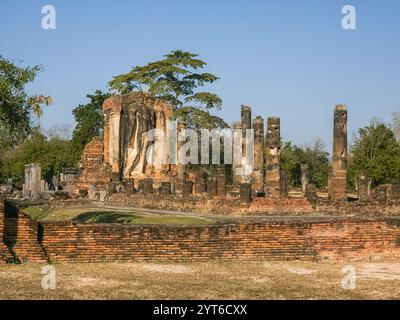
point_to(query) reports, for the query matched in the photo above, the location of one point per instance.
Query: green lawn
(97, 215)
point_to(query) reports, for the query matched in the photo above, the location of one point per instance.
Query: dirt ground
(204, 280)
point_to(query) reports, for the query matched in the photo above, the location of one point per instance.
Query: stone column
(311, 193)
(221, 181)
(236, 163)
(245, 193)
(245, 119)
(165, 188)
(363, 188)
(112, 114)
(212, 187)
(187, 188)
(147, 186)
(272, 175)
(284, 188)
(33, 176)
(304, 176)
(200, 184)
(181, 153)
(338, 183)
(258, 168)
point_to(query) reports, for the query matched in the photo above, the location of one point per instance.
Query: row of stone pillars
(267, 176)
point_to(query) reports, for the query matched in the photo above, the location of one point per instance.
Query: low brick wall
(21, 235)
(190, 203)
(5, 254)
(259, 206)
(272, 238)
(316, 239)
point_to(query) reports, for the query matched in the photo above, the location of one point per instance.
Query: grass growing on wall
(96, 215)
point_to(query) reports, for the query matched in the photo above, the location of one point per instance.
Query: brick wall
(310, 239)
(272, 238)
(259, 206)
(5, 254)
(20, 235)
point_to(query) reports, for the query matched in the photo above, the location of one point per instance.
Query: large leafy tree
(89, 120)
(16, 105)
(375, 153)
(52, 154)
(176, 79)
(314, 155)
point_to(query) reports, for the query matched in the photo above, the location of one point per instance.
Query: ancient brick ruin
(338, 176)
(312, 238)
(113, 171)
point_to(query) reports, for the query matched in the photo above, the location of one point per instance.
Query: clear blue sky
(284, 58)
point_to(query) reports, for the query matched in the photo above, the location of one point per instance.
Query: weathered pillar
(181, 153)
(258, 168)
(311, 193)
(147, 186)
(129, 187)
(33, 176)
(304, 176)
(112, 114)
(338, 181)
(221, 181)
(284, 189)
(200, 184)
(363, 188)
(237, 162)
(272, 175)
(165, 188)
(212, 188)
(187, 188)
(245, 115)
(245, 193)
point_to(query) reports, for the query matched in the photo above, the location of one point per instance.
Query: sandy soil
(205, 280)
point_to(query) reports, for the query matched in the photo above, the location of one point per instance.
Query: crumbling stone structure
(338, 177)
(273, 172)
(363, 188)
(221, 181)
(33, 176)
(237, 178)
(128, 118)
(304, 169)
(258, 167)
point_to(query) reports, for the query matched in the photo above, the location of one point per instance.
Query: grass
(94, 215)
(202, 280)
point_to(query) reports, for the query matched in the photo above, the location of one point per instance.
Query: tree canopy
(176, 79)
(16, 105)
(52, 154)
(89, 120)
(375, 153)
(314, 155)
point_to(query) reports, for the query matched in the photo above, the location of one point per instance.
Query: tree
(314, 155)
(16, 105)
(175, 79)
(375, 153)
(52, 154)
(291, 159)
(89, 120)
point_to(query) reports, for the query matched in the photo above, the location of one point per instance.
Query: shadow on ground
(105, 217)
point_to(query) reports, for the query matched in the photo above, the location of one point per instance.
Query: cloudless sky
(284, 58)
